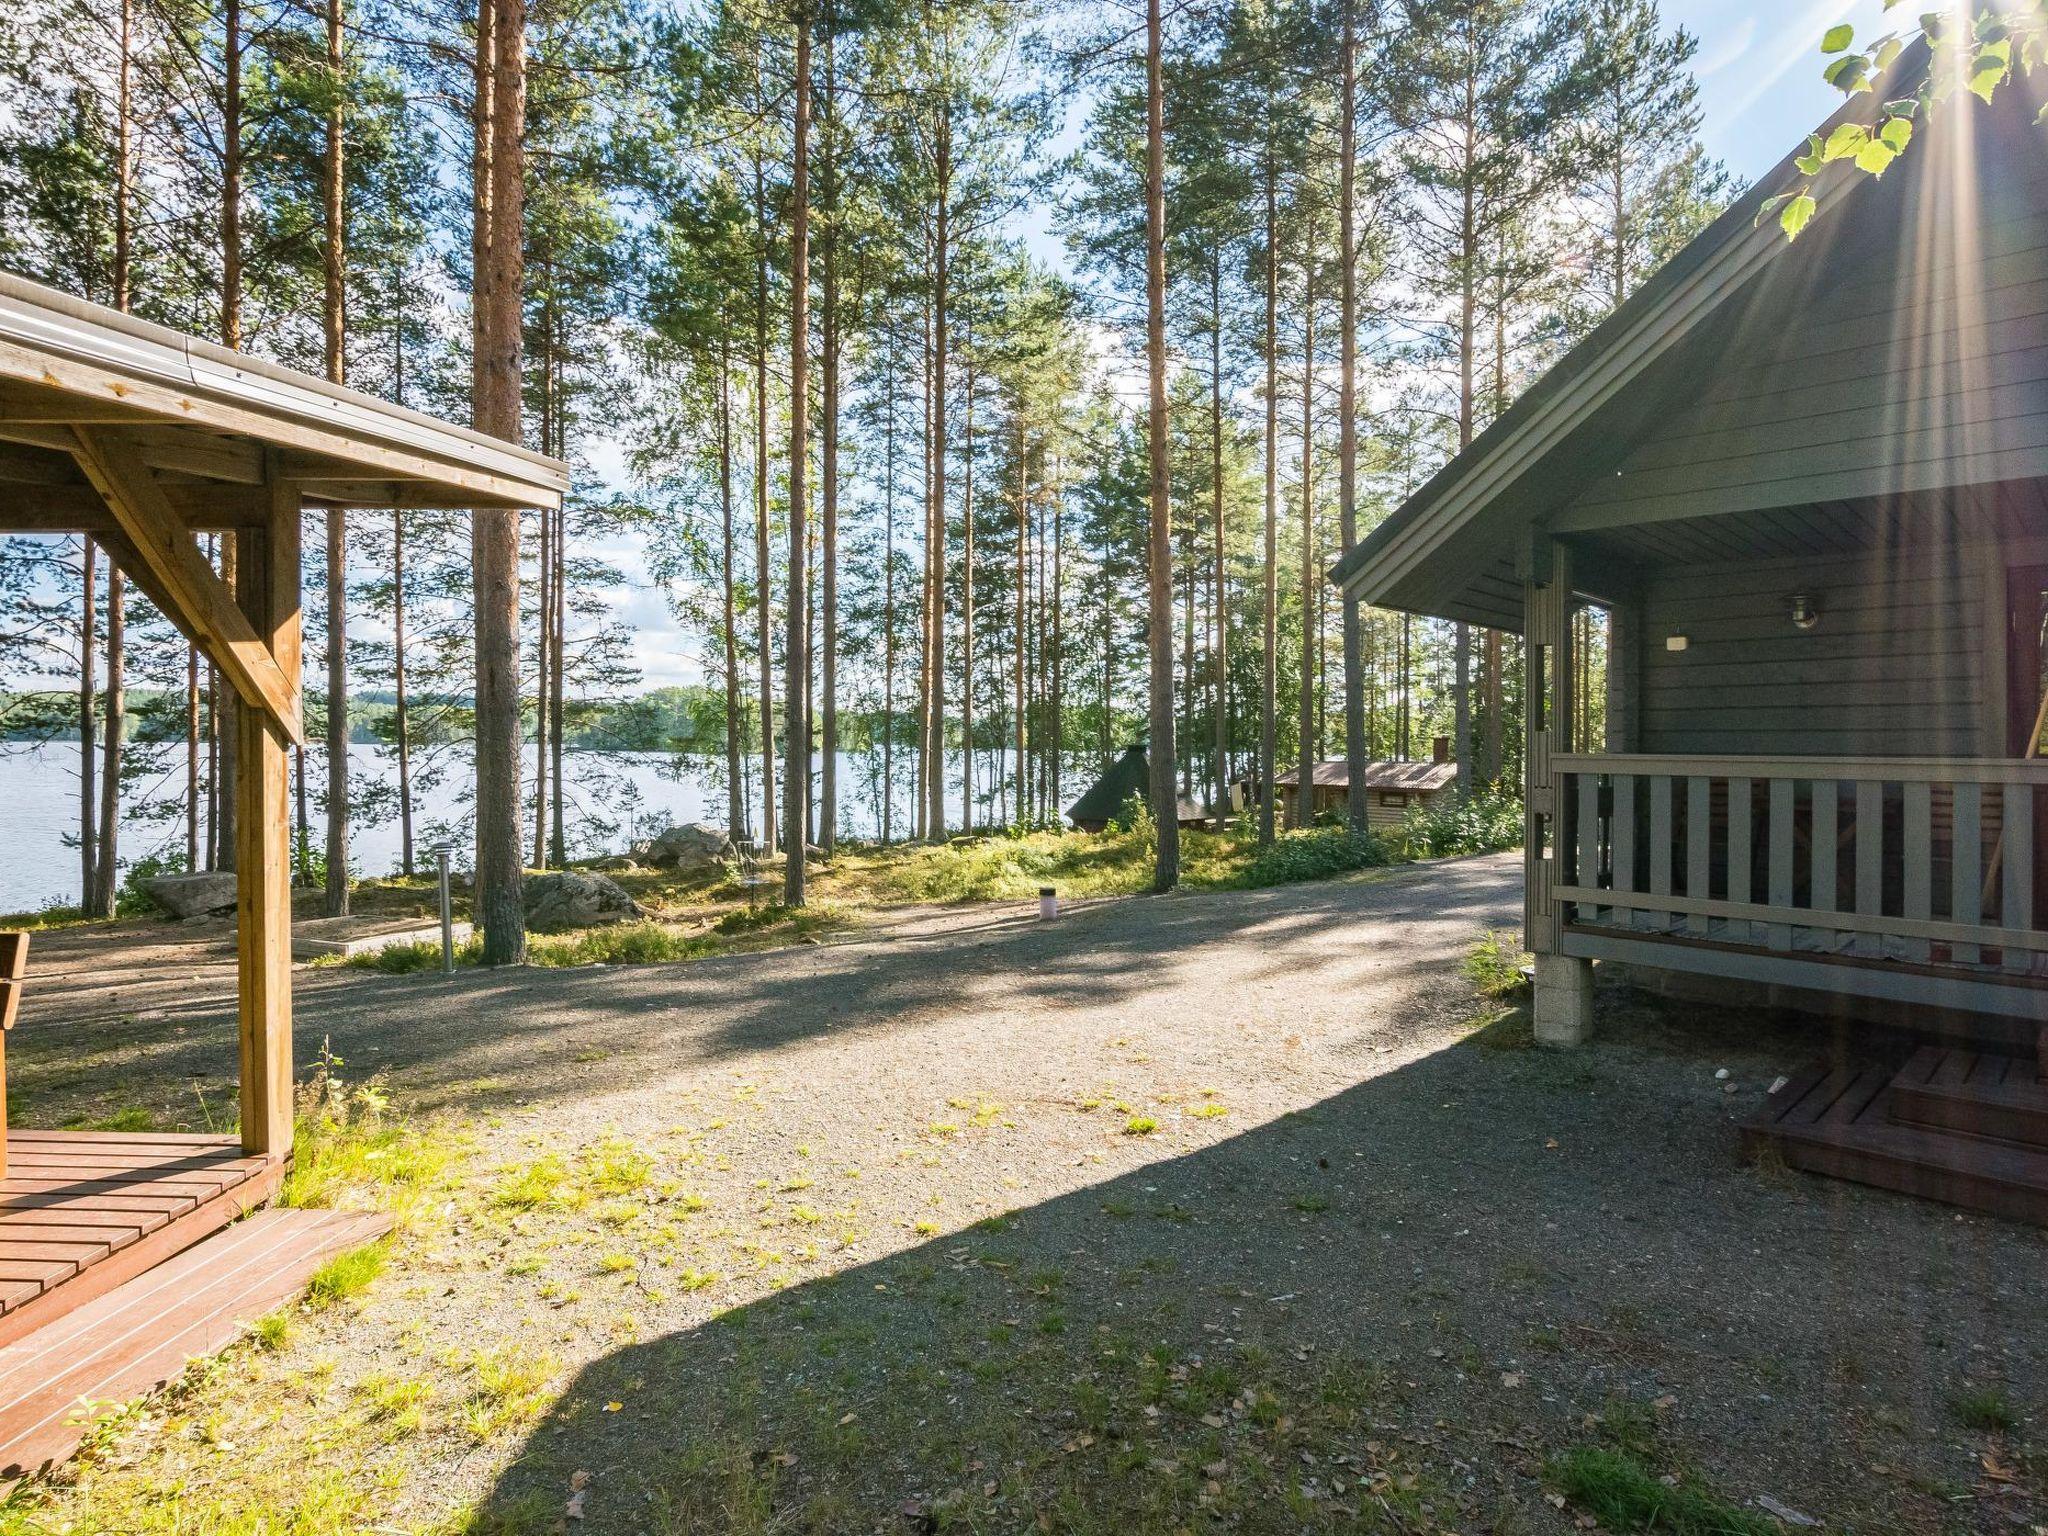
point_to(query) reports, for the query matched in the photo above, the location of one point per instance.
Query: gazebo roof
(141, 437)
(202, 415)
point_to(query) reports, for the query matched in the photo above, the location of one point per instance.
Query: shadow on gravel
(1383, 1313)
(533, 1036)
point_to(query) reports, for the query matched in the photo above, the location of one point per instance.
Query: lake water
(614, 797)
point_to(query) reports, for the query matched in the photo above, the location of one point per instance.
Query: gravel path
(1262, 1128)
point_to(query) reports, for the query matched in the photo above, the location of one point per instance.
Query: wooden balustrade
(1903, 859)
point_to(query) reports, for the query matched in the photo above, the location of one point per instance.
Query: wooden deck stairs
(58, 1380)
(1969, 1128)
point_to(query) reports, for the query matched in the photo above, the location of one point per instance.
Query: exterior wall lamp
(1805, 610)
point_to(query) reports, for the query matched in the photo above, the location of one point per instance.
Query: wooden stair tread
(140, 1335)
(1997, 1097)
(1864, 1123)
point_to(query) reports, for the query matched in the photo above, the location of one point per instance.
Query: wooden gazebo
(146, 439)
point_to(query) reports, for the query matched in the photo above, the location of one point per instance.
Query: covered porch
(155, 445)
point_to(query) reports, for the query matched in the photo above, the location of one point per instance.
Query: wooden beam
(267, 591)
(165, 546)
(36, 466)
(81, 509)
(183, 450)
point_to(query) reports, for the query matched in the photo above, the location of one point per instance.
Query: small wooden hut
(1393, 788)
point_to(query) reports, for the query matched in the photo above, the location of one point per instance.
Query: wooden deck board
(138, 1336)
(1956, 1126)
(83, 1211)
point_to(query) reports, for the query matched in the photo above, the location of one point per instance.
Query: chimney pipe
(1442, 749)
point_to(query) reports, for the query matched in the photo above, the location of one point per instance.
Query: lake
(614, 798)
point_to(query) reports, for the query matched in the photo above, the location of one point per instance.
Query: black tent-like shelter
(1130, 774)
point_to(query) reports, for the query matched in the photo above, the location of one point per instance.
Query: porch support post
(1564, 984)
(1564, 1000)
(267, 591)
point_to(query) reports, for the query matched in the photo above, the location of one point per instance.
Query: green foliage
(1481, 823)
(1621, 1493)
(1984, 1409)
(1316, 853)
(346, 1275)
(1494, 964)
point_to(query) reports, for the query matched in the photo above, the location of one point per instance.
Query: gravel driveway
(941, 1223)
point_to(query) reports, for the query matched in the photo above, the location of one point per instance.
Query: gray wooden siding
(1846, 382)
(1896, 667)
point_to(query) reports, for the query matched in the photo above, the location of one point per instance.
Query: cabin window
(1394, 798)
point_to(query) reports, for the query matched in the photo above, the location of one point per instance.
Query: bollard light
(1048, 901)
(442, 852)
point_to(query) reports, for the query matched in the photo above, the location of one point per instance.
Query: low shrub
(1480, 823)
(1316, 854)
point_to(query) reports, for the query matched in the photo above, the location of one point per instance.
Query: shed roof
(202, 413)
(1458, 547)
(1414, 778)
(141, 437)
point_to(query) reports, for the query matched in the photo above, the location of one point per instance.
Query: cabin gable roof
(1644, 420)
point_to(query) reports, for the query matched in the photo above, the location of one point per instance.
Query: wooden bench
(13, 971)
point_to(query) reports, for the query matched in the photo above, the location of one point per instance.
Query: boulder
(693, 845)
(616, 866)
(573, 899)
(641, 850)
(193, 895)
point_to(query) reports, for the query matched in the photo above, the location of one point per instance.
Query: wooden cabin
(149, 441)
(1806, 484)
(1393, 788)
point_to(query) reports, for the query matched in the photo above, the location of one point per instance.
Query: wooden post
(267, 590)
(13, 968)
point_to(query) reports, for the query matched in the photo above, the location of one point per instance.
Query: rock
(617, 866)
(693, 845)
(641, 850)
(193, 895)
(570, 899)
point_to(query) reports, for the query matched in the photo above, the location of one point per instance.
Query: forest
(913, 243)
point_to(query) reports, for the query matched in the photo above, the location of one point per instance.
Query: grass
(1494, 964)
(1619, 1491)
(347, 1275)
(1984, 1409)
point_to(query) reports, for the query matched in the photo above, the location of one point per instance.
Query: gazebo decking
(83, 1211)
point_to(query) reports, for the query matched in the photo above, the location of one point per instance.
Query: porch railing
(1903, 859)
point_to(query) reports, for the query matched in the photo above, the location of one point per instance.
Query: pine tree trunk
(1022, 714)
(735, 787)
(935, 774)
(1221, 651)
(828, 468)
(796, 772)
(106, 856)
(1269, 680)
(967, 596)
(88, 727)
(191, 759)
(889, 607)
(763, 565)
(401, 707)
(335, 325)
(494, 532)
(1159, 576)
(1347, 429)
(1305, 789)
